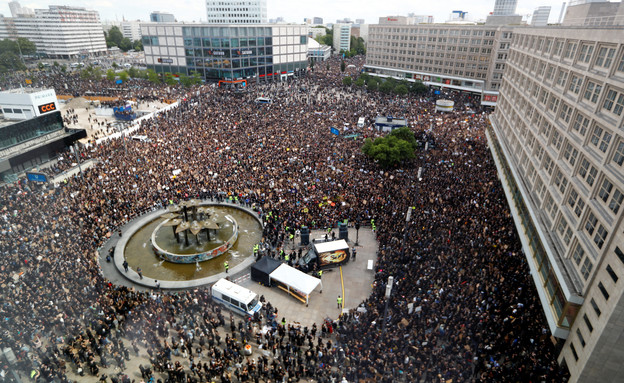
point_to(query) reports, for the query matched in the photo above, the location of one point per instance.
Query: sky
(296, 11)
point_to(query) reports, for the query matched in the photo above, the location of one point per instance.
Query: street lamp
(74, 149)
(388, 293)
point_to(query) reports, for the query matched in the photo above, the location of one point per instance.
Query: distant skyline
(329, 10)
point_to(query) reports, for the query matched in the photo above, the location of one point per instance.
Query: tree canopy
(393, 149)
(114, 38)
(9, 62)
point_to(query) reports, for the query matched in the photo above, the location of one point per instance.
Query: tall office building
(558, 143)
(469, 58)
(342, 37)
(505, 7)
(162, 17)
(59, 31)
(130, 29)
(540, 16)
(236, 11)
(227, 52)
(317, 20)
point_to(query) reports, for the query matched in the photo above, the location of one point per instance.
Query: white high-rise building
(236, 11)
(540, 16)
(59, 31)
(342, 37)
(131, 29)
(16, 8)
(505, 7)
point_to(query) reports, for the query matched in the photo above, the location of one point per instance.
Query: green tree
(185, 80)
(10, 62)
(92, 73)
(153, 76)
(418, 88)
(40, 66)
(137, 45)
(196, 78)
(134, 72)
(115, 65)
(405, 134)
(110, 75)
(347, 81)
(372, 85)
(125, 44)
(343, 66)
(390, 150)
(114, 37)
(27, 47)
(357, 46)
(387, 86)
(7, 45)
(123, 76)
(401, 90)
(360, 82)
(170, 80)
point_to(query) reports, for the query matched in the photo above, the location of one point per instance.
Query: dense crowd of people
(463, 307)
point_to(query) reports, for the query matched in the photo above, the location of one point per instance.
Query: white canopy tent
(295, 280)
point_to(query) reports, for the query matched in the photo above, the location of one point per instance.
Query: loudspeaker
(343, 232)
(305, 236)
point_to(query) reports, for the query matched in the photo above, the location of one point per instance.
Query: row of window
(606, 193)
(597, 55)
(594, 305)
(380, 29)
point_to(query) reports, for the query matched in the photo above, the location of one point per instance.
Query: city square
(406, 201)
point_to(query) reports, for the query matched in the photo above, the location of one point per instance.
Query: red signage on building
(45, 108)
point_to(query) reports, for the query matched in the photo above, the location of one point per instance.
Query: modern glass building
(26, 144)
(226, 52)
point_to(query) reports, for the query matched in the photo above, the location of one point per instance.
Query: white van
(235, 297)
(140, 138)
(263, 100)
(361, 122)
(74, 65)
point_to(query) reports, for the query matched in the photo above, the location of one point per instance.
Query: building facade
(505, 7)
(468, 58)
(342, 37)
(540, 16)
(59, 31)
(162, 17)
(590, 13)
(318, 52)
(129, 29)
(31, 131)
(558, 140)
(226, 52)
(236, 11)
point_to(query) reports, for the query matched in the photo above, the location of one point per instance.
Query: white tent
(296, 282)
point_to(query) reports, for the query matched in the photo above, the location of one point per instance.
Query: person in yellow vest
(256, 250)
(339, 302)
(227, 266)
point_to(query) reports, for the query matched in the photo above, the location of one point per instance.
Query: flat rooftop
(23, 90)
